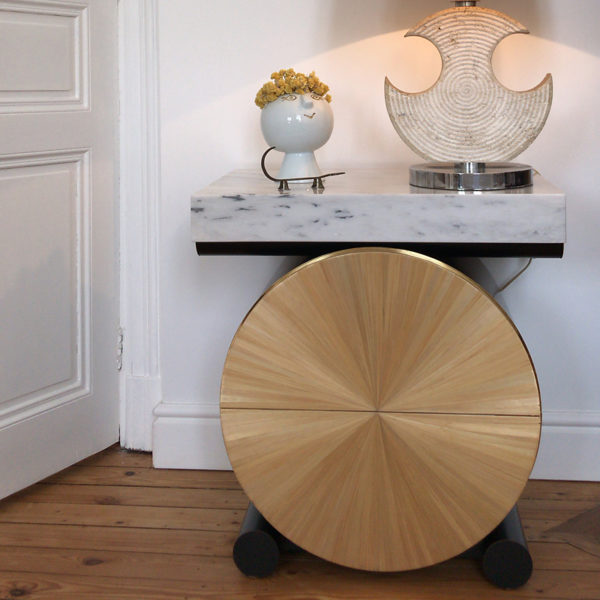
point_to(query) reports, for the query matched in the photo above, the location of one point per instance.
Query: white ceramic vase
(297, 124)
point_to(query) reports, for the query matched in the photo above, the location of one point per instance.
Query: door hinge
(120, 337)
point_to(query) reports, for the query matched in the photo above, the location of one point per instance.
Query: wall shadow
(546, 19)
(350, 21)
(353, 20)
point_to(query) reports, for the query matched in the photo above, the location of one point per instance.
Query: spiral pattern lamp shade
(468, 116)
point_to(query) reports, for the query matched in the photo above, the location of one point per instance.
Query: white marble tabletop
(374, 205)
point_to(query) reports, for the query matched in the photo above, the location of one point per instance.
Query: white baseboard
(188, 436)
(569, 447)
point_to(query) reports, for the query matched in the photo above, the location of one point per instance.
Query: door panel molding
(56, 80)
(71, 168)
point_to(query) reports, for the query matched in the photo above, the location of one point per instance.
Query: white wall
(214, 56)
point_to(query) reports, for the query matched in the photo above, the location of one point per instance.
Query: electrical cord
(513, 279)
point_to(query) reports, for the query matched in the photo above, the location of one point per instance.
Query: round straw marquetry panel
(380, 409)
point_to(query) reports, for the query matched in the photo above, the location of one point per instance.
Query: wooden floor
(113, 527)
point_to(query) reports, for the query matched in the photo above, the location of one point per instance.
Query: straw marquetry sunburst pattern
(380, 409)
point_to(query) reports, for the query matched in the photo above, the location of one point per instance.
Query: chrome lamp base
(471, 176)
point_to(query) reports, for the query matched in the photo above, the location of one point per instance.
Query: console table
(378, 407)
(243, 213)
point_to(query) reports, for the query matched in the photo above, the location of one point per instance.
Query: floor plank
(135, 496)
(538, 489)
(212, 569)
(119, 457)
(112, 527)
(306, 581)
(134, 476)
(536, 530)
(558, 512)
(210, 519)
(86, 537)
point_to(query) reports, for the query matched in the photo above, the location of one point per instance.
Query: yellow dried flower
(287, 81)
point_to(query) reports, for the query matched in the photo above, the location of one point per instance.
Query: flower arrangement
(287, 81)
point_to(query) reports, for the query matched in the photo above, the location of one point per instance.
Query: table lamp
(468, 123)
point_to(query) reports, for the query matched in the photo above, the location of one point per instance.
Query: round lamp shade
(380, 410)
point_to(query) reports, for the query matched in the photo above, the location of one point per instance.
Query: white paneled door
(58, 235)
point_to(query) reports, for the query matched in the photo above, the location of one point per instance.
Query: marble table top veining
(374, 205)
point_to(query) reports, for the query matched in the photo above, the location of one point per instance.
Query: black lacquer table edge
(435, 250)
